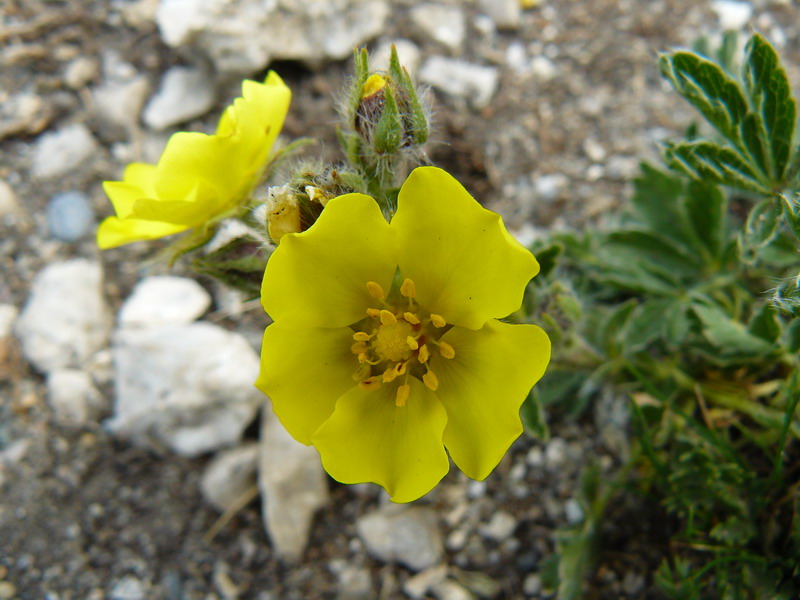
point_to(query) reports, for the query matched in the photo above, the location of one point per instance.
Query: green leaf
(716, 95)
(770, 96)
(646, 324)
(711, 162)
(762, 223)
(547, 258)
(533, 417)
(754, 137)
(793, 339)
(765, 324)
(656, 202)
(791, 213)
(730, 337)
(650, 248)
(707, 208)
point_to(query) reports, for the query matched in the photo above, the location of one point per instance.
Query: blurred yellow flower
(385, 346)
(199, 178)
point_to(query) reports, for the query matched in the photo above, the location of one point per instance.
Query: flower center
(396, 341)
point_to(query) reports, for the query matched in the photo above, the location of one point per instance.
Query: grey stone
(185, 93)
(230, 475)
(442, 23)
(354, 583)
(118, 101)
(293, 486)
(188, 386)
(556, 453)
(532, 584)
(543, 69)
(549, 187)
(73, 397)
(408, 535)
(80, 71)
(505, 13)
(451, 590)
(23, 113)
(8, 315)
(128, 588)
(164, 300)
(69, 216)
(470, 82)
(66, 318)
(573, 511)
(58, 152)
(419, 585)
(243, 36)
(8, 200)
(407, 51)
(500, 526)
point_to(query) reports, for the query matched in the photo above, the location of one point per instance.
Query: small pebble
(8, 199)
(573, 511)
(59, 152)
(69, 216)
(7, 590)
(532, 584)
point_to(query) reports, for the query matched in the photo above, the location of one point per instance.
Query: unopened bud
(283, 212)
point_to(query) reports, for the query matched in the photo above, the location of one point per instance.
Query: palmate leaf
(771, 99)
(708, 161)
(730, 337)
(707, 208)
(709, 89)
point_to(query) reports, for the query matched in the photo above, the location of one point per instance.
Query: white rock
(451, 590)
(80, 71)
(8, 200)
(23, 113)
(573, 511)
(73, 397)
(505, 13)
(189, 386)
(354, 583)
(418, 585)
(556, 453)
(461, 79)
(732, 14)
(8, 314)
(185, 93)
(500, 526)
(119, 102)
(594, 150)
(66, 318)
(230, 475)
(164, 300)
(293, 486)
(548, 187)
(58, 152)
(543, 68)
(406, 534)
(532, 584)
(445, 24)
(128, 588)
(407, 51)
(243, 36)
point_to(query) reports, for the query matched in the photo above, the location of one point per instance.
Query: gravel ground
(552, 143)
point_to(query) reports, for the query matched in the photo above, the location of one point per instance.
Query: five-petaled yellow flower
(199, 178)
(385, 346)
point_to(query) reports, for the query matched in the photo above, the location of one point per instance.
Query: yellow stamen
(411, 318)
(400, 368)
(447, 350)
(358, 348)
(374, 312)
(375, 290)
(362, 358)
(361, 336)
(412, 343)
(373, 383)
(408, 289)
(363, 372)
(430, 380)
(438, 320)
(387, 317)
(390, 374)
(424, 354)
(402, 395)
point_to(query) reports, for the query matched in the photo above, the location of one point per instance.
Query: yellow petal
(371, 439)
(137, 183)
(465, 265)
(483, 387)
(318, 277)
(199, 206)
(304, 371)
(114, 232)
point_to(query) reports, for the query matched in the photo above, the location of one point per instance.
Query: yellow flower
(385, 346)
(199, 178)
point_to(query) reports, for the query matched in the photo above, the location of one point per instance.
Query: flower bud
(283, 212)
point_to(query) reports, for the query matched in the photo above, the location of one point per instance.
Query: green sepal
(239, 264)
(388, 134)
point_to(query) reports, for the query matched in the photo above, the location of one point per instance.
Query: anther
(402, 395)
(373, 383)
(424, 354)
(358, 348)
(411, 318)
(447, 350)
(374, 312)
(387, 317)
(438, 320)
(390, 374)
(408, 289)
(412, 343)
(375, 290)
(361, 336)
(400, 368)
(430, 380)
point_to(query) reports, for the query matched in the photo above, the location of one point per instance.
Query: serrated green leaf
(707, 208)
(708, 161)
(645, 325)
(762, 223)
(650, 248)
(770, 96)
(656, 202)
(609, 338)
(706, 86)
(677, 323)
(754, 136)
(765, 324)
(791, 213)
(729, 337)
